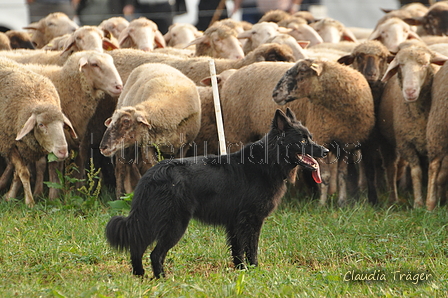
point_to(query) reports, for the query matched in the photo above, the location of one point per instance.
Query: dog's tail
(118, 234)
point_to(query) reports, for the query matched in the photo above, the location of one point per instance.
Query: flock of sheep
(372, 96)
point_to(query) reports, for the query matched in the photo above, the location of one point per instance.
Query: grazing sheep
(32, 124)
(19, 39)
(403, 113)
(114, 25)
(141, 34)
(393, 32)
(339, 99)
(437, 140)
(5, 44)
(218, 41)
(145, 114)
(90, 74)
(197, 68)
(333, 31)
(259, 34)
(180, 35)
(53, 25)
(434, 22)
(371, 59)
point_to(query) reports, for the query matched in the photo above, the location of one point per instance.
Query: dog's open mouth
(307, 161)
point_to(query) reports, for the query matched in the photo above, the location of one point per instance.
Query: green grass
(304, 251)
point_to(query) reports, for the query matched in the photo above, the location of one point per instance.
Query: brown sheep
(324, 82)
(19, 39)
(218, 41)
(437, 140)
(403, 113)
(53, 25)
(5, 44)
(145, 115)
(434, 22)
(32, 124)
(371, 59)
(197, 68)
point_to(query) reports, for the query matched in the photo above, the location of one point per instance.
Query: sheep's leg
(119, 177)
(416, 175)
(41, 166)
(14, 187)
(7, 173)
(342, 181)
(437, 177)
(21, 170)
(54, 193)
(333, 183)
(323, 187)
(390, 160)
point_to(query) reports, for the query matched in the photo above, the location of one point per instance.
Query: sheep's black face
(295, 83)
(119, 134)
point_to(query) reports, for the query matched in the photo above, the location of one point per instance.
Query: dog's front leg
(236, 247)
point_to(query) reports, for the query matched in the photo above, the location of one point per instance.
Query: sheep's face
(228, 47)
(298, 82)
(371, 66)
(100, 71)
(123, 130)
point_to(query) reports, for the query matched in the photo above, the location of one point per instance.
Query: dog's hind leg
(236, 247)
(137, 252)
(169, 236)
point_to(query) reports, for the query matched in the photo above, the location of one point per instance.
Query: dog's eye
(303, 141)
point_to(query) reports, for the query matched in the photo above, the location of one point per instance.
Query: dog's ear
(290, 114)
(280, 120)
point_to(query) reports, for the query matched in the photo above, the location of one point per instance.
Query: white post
(219, 124)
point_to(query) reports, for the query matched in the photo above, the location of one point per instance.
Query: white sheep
(179, 35)
(114, 25)
(333, 31)
(259, 34)
(159, 107)
(81, 84)
(218, 41)
(53, 25)
(32, 124)
(393, 32)
(142, 34)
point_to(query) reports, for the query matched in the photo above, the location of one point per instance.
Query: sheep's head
(370, 58)
(124, 129)
(47, 123)
(413, 65)
(100, 71)
(298, 82)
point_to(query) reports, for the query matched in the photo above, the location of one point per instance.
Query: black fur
(237, 191)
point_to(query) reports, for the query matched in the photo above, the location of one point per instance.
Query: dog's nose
(325, 151)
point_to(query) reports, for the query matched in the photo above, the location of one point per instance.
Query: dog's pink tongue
(316, 174)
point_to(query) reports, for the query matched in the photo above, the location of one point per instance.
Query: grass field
(57, 250)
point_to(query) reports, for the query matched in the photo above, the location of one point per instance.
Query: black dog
(237, 191)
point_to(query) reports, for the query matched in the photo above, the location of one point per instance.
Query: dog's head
(297, 142)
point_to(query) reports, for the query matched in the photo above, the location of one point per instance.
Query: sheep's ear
(280, 120)
(202, 39)
(107, 34)
(284, 30)
(391, 70)
(124, 36)
(69, 125)
(27, 127)
(245, 34)
(439, 59)
(414, 21)
(348, 35)
(69, 43)
(303, 43)
(82, 62)
(167, 36)
(375, 35)
(108, 45)
(317, 67)
(290, 114)
(143, 120)
(413, 35)
(347, 59)
(159, 40)
(107, 122)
